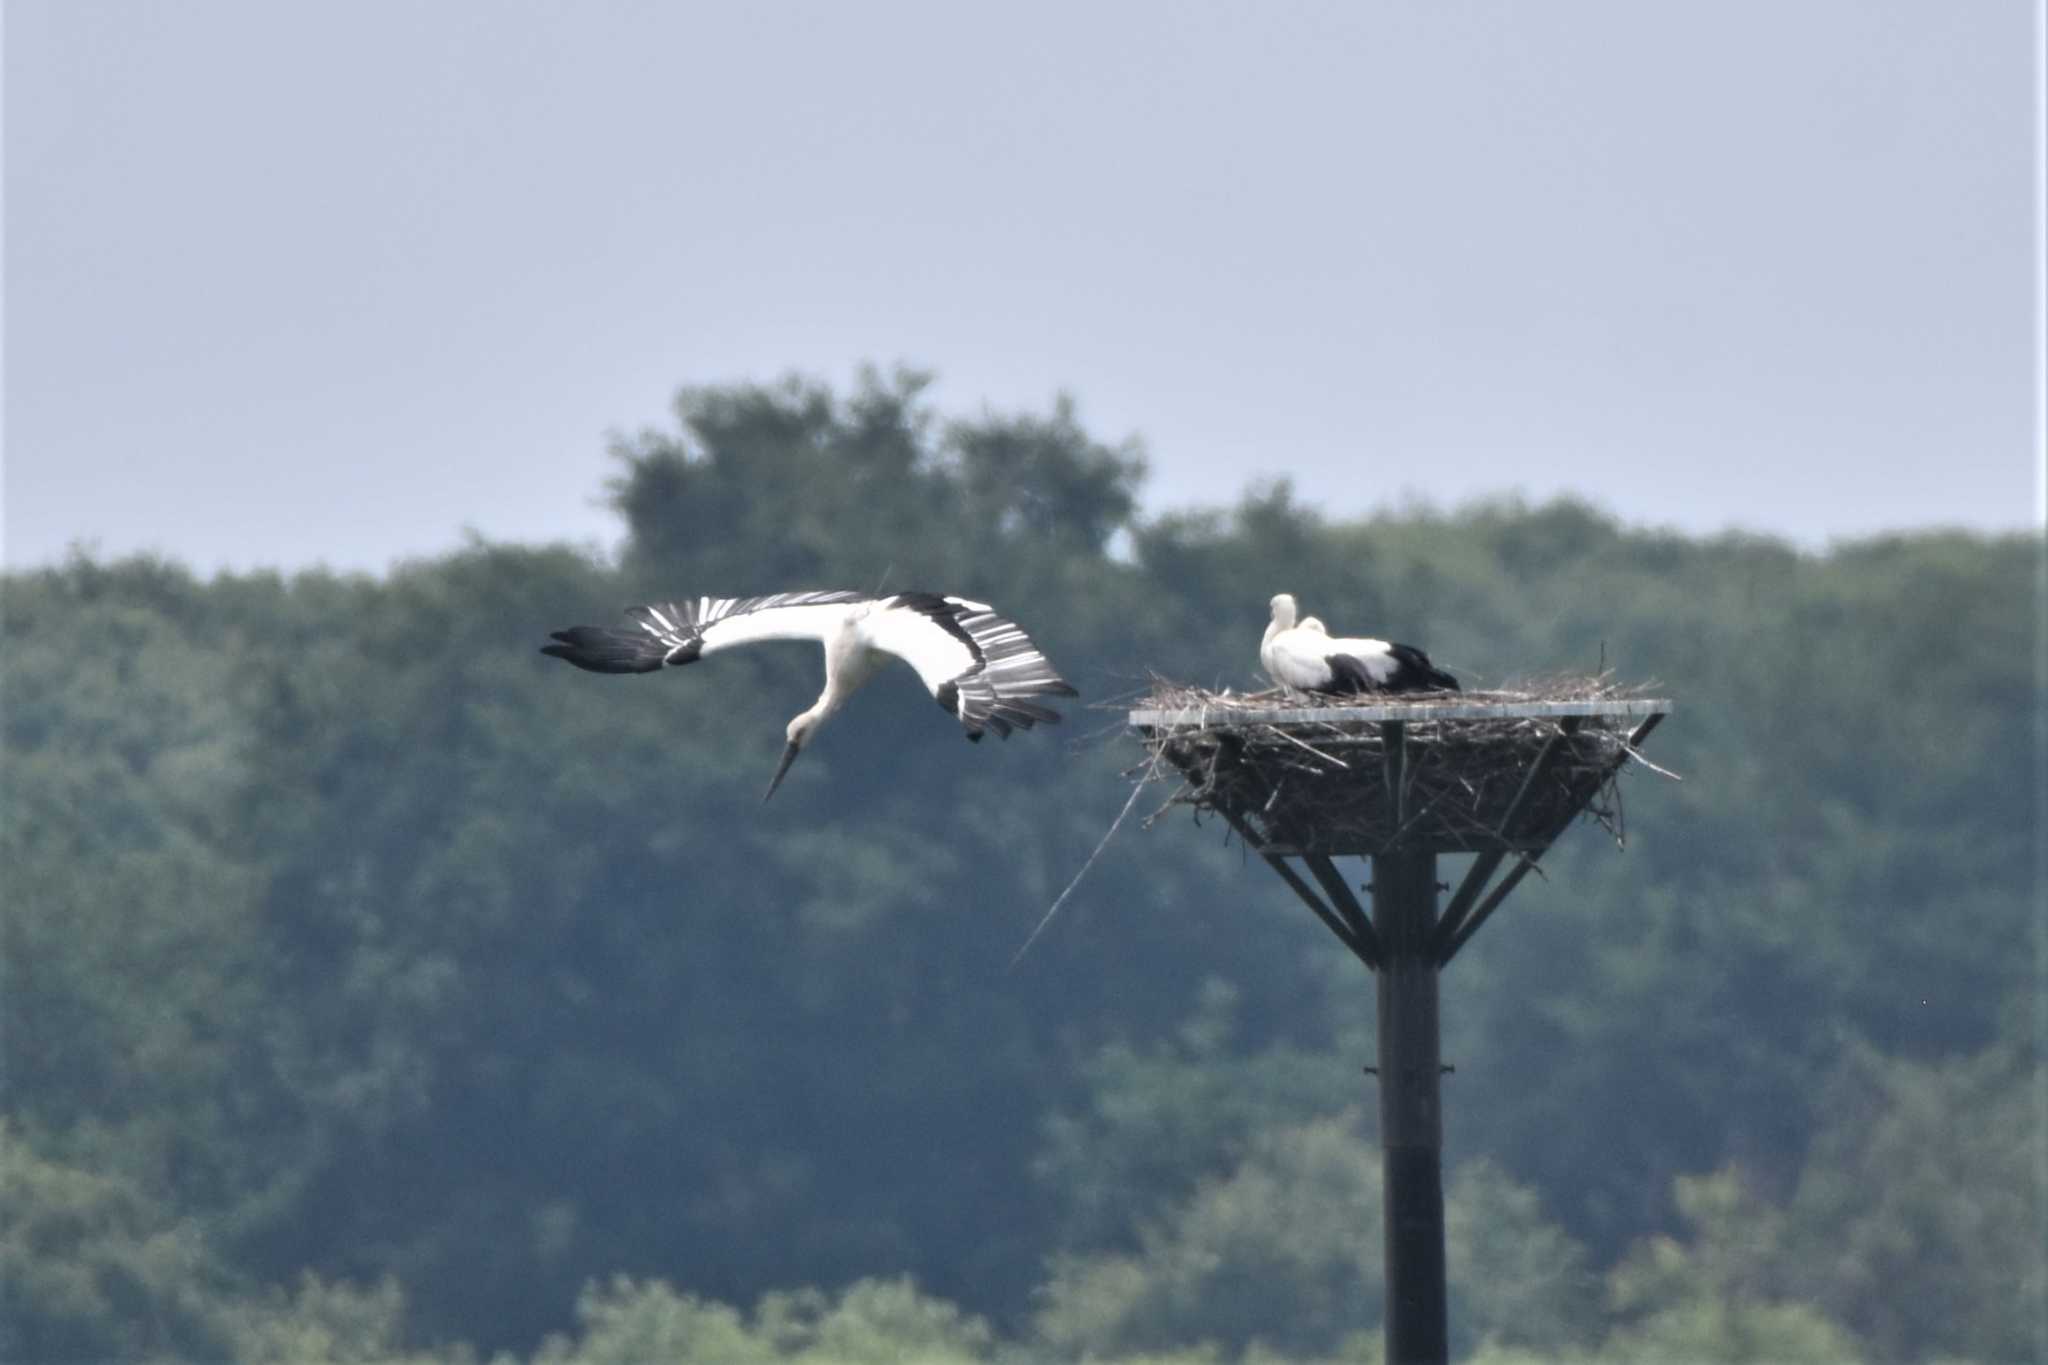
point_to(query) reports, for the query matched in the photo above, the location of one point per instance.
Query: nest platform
(1400, 779)
(1446, 772)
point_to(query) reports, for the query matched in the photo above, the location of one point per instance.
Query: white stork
(1307, 658)
(981, 667)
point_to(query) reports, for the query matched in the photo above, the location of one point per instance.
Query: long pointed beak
(788, 757)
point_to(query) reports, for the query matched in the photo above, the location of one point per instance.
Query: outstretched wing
(981, 667)
(705, 625)
(670, 634)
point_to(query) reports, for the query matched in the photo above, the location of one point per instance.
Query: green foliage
(1283, 1254)
(1717, 1298)
(341, 933)
(872, 1322)
(1929, 1175)
(330, 1324)
(1282, 1247)
(867, 485)
(1158, 1122)
(93, 1270)
(1514, 1275)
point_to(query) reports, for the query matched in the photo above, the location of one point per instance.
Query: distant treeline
(374, 985)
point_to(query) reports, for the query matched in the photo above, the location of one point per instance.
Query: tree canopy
(375, 988)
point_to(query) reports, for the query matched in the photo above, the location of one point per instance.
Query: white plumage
(1305, 657)
(981, 667)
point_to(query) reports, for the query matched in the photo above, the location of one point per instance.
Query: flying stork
(1307, 658)
(981, 667)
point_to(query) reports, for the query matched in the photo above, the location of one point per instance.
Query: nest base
(1445, 773)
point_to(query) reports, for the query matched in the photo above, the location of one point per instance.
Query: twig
(1136, 787)
(1327, 758)
(1662, 772)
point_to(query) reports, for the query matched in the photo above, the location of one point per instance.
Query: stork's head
(1283, 610)
(798, 734)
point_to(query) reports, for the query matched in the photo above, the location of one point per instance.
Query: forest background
(375, 988)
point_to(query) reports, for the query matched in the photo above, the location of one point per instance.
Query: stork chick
(1305, 657)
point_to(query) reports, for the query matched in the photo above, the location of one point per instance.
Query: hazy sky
(292, 283)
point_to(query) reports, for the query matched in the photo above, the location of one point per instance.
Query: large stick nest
(1326, 786)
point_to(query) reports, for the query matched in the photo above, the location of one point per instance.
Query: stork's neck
(848, 664)
(1283, 619)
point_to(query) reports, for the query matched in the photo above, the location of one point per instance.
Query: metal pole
(1411, 1122)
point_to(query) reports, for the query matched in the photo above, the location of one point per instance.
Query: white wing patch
(1376, 657)
(979, 665)
(695, 626)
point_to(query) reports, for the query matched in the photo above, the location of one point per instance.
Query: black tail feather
(1418, 674)
(607, 651)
